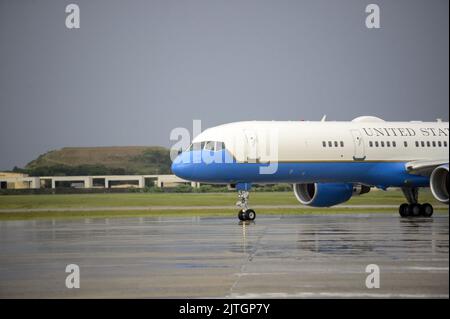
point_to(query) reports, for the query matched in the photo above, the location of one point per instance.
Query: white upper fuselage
(363, 139)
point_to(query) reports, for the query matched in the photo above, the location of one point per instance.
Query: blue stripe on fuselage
(193, 166)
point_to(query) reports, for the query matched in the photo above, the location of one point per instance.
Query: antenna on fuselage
(324, 118)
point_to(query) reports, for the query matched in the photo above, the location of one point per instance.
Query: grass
(75, 201)
(185, 199)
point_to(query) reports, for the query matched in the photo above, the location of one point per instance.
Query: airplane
(327, 162)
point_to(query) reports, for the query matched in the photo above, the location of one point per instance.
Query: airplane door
(359, 152)
(251, 146)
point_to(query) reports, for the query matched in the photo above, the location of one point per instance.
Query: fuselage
(366, 150)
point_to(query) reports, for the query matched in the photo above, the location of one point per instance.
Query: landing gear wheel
(427, 210)
(415, 209)
(404, 210)
(250, 214)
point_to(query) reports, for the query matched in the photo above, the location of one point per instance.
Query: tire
(415, 210)
(404, 210)
(241, 215)
(250, 214)
(427, 210)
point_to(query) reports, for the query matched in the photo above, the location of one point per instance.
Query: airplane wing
(425, 167)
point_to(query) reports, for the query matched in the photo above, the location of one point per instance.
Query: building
(22, 181)
(17, 181)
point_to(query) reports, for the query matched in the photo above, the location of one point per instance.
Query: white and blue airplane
(327, 162)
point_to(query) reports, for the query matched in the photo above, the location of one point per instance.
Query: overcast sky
(137, 69)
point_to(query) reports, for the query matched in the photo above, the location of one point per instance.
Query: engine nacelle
(323, 194)
(439, 183)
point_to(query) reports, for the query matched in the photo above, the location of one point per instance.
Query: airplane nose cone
(176, 169)
(181, 168)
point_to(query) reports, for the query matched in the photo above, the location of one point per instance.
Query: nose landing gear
(245, 213)
(413, 208)
(248, 214)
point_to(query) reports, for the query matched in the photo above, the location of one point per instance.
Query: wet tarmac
(288, 256)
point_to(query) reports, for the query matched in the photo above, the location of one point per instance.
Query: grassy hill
(101, 160)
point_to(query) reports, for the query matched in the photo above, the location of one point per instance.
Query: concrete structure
(22, 181)
(170, 181)
(17, 181)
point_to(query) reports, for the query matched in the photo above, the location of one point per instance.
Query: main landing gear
(413, 208)
(245, 213)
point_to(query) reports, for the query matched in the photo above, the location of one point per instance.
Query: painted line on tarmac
(335, 295)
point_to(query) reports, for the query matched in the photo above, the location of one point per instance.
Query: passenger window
(428, 144)
(376, 144)
(371, 144)
(422, 143)
(405, 143)
(445, 143)
(324, 144)
(335, 144)
(439, 144)
(417, 143)
(434, 143)
(388, 144)
(382, 144)
(330, 144)
(394, 144)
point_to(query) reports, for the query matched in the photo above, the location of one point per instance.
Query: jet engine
(327, 194)
(439, 183)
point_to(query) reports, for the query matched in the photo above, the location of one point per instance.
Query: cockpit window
(208, 146)
(196, 146)
(220, 146)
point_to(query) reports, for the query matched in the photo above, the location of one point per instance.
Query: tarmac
(181, 208)
(295, 256)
